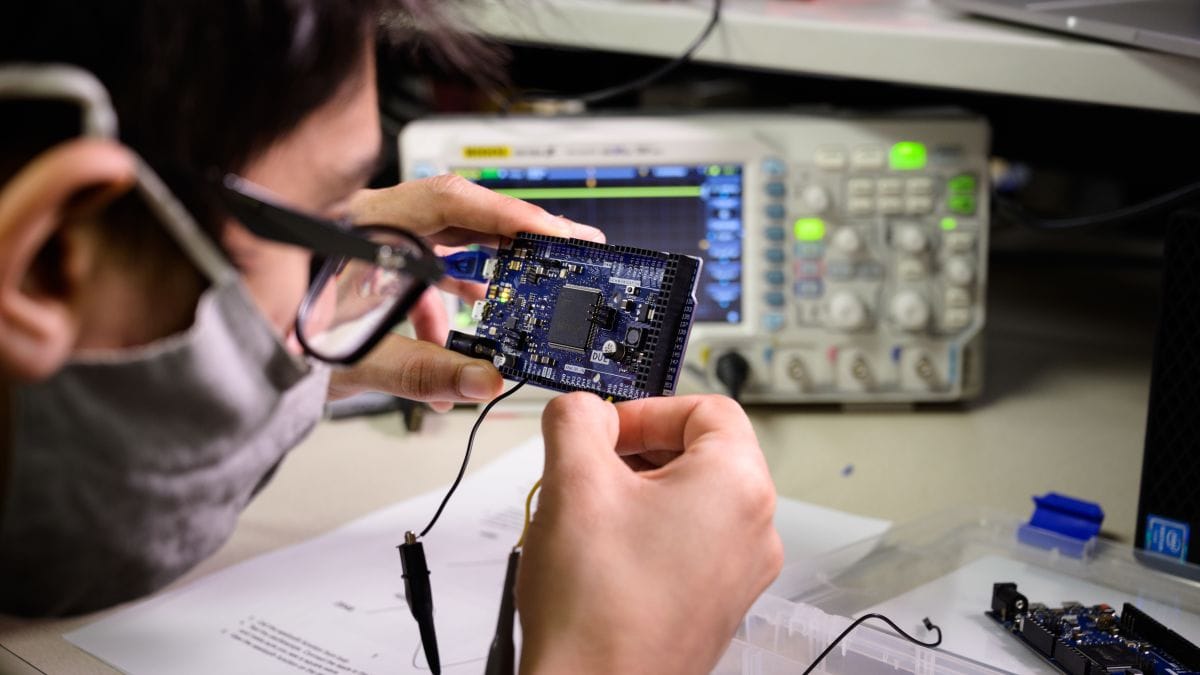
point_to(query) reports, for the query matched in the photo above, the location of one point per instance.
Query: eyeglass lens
(351, 299)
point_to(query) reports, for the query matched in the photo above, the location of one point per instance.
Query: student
(147, 393)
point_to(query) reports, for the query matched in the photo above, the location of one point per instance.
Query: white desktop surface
(901, 41)
(1064, 409)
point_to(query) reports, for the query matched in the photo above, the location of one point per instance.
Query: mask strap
(99, 120)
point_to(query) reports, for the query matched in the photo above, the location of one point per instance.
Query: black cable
(859, 621)
(640, 82)
(1011, 209)
(462, 470)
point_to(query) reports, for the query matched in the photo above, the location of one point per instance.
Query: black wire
(462, 470)
(1011, 209)
(858, 622)
(643, 81)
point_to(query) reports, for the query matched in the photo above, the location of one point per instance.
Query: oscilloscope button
(918, 205)
(774, 255)
(774, 211)
(891, 187)
(775, 233)
(773, 323)
(840, 270)
(810, 250)
(959, 271)
(867, 157)
(807, 269)
(809, 288)
(959, 242)
(860, 187)
(773, 166)
(891, 205)
(860, 206)
(775, 277)
(955, 318)
(958, 297)
(775, 299)
(830, 157)
(920, 187)
(775, 189)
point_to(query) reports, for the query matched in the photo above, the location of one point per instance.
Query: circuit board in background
(573, 315)
(1094, 640)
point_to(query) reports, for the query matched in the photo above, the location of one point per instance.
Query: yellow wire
(528, 510)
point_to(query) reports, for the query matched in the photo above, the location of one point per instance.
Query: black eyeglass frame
(257, 209)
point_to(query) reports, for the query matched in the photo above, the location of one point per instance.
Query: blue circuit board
(573, 315)
(1094, 640)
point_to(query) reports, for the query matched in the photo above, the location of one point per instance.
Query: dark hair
(207, 84)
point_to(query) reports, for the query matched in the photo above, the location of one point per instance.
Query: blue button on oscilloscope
(774, 255)
(773, 322)
(775, 233)
(773, 166)
(775, 277)
(774, 210)
(775, 189)
(809, 288)
(775, 299)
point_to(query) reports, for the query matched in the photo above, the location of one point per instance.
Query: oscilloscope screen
(690, 209)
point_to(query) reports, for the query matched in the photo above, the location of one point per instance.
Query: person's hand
(446, 211)
(654, 534)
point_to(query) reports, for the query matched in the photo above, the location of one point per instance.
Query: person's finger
(652, 459)
(580, 431)
(430, 205)
(428, 317)
(585, 232)
(422, 371)
(681, 423)
(455, 237)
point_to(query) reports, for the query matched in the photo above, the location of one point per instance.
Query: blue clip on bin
(1062, 522)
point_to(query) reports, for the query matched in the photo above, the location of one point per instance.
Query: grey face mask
(128, 468)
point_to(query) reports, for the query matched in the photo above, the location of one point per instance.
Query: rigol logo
(486, 151)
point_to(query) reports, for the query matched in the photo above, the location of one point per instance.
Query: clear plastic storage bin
(941, 567)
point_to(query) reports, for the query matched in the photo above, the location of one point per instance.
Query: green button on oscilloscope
(962, 204)
(907, 156)
(809, 229)
(964, 184)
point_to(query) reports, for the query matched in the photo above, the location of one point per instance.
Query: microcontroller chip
(571, 323)
(562, 314)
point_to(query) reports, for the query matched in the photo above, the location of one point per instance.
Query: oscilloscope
(844, 256)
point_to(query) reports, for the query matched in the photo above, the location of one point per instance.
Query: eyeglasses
(367, 279)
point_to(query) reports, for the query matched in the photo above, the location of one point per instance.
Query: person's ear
(38, 322)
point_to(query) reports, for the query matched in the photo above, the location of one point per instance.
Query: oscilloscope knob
(815, 198)
(847, 240)
(846, 311)
(910, 238)
(910, 311)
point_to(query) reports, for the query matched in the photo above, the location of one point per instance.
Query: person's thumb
(422, 371)
(580, 432)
